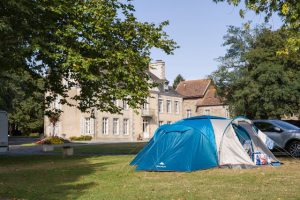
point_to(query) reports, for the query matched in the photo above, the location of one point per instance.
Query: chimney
(158, 69)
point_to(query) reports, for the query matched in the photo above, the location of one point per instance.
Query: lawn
(107, 149)
(110, 177)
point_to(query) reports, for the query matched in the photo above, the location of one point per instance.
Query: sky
(198, 26)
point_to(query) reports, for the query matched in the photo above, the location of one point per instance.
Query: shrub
(52, 140)
(82, 138)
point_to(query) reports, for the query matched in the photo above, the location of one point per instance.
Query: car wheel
(294, 148)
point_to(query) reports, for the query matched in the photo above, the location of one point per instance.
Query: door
(146, 133)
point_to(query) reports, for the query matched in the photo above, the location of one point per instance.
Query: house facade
(200, 98)
(164, 106)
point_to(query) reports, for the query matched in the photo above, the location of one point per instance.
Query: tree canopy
(288, 10)
(22, 96)
(254, 79)
(177, 80)
(98, 45)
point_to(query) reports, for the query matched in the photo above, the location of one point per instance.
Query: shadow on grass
(47, 177)
(107, 149)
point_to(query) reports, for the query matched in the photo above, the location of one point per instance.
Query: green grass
(29, 144)
(110, 177)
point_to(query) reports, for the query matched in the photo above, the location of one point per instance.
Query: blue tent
(191, 144)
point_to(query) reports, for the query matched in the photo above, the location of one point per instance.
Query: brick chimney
(158, 69)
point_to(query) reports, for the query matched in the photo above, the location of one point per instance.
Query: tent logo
(161, 165)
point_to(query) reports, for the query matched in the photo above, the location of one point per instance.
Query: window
(56, 103)
(264, 126)
(169, 106)
(126, 126)
(116, 126)
(188, 113)
(169, 122)
(207, 112)
(285, 125)
(115, 102)
(145, 126)
(176, 105)
(160, 106)
(146, 105)
(160, 123)
(105, 126)
(87, 125)
(227, 113)
(125, 105)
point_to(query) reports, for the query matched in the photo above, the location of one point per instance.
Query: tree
(22, 96)
(98, 45)
(254, 80)
(177, 80)
(288, 10)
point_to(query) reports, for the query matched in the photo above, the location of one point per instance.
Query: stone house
(165, 105)
(200, 98)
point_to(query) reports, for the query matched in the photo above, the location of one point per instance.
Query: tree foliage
(177, 80)
(254, 80)
(288, 10)
(22, 96)
(98, 45)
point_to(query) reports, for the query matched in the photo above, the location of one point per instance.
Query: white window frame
(176, 106)
(125, 105)
(87, 125)
(227, 113)
(116, 126)
(146, 105)
(160, 105)
(169, 106)
(115, 102)
(146, 126)
(188, 113)
(207, 111)
(105, 125)
(126, 126)
(160, 123)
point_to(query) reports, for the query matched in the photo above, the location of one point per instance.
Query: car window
(285, 125)
(264, 126)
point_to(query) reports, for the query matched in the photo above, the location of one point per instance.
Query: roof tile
(193, 88)
(211, 98)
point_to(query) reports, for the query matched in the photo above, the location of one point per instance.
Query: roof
(193, 88)
(211, 98)
(154, 77)
(161, 89)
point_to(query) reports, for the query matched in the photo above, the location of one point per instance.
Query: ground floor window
(227, 113)
(207, 112)
(188, 113)
(87, 125)
(160, 123)
(105, 126)
(126, 126)
(116, 126)
(146, 128)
